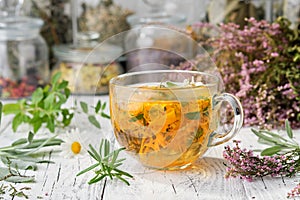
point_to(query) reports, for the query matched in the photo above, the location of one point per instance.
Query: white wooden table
(204, 181)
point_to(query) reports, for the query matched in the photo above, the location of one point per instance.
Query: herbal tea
(164, 133)
(167, 119)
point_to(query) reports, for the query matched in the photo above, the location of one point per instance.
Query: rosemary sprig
(107, 163)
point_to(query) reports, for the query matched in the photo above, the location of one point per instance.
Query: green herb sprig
(97, 110)
(107, 163)
(45, 107)
(13, 191)
(278, 144)
(23, 154)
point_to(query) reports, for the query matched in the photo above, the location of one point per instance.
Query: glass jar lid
(156, 18)
(100, 53)
(19, 28)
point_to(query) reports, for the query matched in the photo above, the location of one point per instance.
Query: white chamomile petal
(74, 145)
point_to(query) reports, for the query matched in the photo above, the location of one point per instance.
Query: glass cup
(167, 119)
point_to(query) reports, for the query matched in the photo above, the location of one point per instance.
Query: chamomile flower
(74, 144)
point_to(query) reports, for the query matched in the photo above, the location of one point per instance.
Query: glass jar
(23, 57)
(156, 41)
(88, 67)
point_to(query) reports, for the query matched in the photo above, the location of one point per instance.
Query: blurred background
(40, 38)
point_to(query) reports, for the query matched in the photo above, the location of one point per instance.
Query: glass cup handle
(216, 138)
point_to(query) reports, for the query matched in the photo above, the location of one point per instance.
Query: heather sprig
(246, 165)
(260, 64)
(295, 192)
(281, 158)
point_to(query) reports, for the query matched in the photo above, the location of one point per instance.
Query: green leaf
(266, 138)
(51, 124)
(55, 78)
(288, 129)
(199, 133)
(92, 119)
(136, 118)
(67, 92)
(1, 105)
(87, 169)
(107, 163)
(11, 108)
(271, 150)
(62, 98)
(103, 106)
(67, 117)
(30, 137)
(84, 107)
(19, 142)
(17, 121)
(14, 178)
(37, 95)
(105, 115)
(36, 125)
(20, 163)
(193, 115)
(171, 84)
(98, 106)
(63, 85)
(49, 100)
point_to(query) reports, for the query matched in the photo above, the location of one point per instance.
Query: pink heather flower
(243, 164)
(294, 192)
(258, 63)
(274, 54)
(255, 66)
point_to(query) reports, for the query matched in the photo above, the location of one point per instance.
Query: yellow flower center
(76, 147)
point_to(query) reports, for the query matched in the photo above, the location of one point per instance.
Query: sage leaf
(11, 175)
(20, 179)
(92, 119)
(271, 150)
(19, 142)
(267, 138)
(20, 163)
